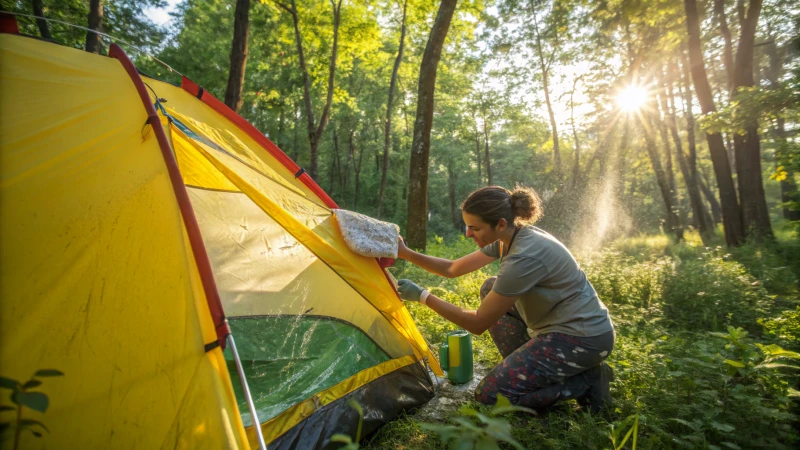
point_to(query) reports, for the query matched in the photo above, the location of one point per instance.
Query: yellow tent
(144, 225)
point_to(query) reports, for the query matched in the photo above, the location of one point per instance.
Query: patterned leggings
(537, 372)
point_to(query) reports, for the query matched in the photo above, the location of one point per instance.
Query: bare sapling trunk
(544, 67)
(672, 225)
(315, 130)
(387, 131)
(701, 216)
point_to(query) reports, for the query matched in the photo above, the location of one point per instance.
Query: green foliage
(23, 397)
(679, 377)
(784, 329)
(478, 431)
(713, 291)
(350, 443)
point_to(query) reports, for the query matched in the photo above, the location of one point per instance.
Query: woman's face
(481, 232)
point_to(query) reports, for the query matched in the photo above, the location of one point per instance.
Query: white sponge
(367, 236)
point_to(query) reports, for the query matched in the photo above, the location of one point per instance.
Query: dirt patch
(449, 396)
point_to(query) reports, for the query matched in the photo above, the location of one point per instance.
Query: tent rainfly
(144, 225)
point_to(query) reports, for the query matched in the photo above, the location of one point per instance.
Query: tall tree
(95, 20)
(241, 26)
(545, 64)
(38, 11)
(701, 217)
(387, 131)
(719, 11)
(417, 225)
(576, 166)
(315, 130)
(755, 215)
(672, 225)
(731, 213)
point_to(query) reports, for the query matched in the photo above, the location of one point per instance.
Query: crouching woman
(545, 317)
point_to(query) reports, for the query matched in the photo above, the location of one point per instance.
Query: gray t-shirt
(554, 293)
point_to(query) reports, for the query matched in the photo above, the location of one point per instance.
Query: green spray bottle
(455, 356)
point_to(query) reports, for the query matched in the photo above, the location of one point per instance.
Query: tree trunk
(731, 213)
(387, 132)
(545, 69)
(478, 152)
(44, 28)
(315, 130)
(701, 217)
(719, 11)
(672, 221)
(417, 226)
(576, 167)
(755, 214)
(716, 209)
(788, 186)
(295, 147)
(95, 21)
(622, 154)
(451, 191)
(486, 152)
(241, 26)
(357, 180)
(338, 160)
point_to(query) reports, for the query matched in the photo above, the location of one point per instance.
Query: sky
(161, 16)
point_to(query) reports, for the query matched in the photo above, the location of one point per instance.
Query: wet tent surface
(288, 359)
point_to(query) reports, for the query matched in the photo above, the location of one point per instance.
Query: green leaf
(8, 383)
(777, 351)
(341, 438)
(723, 427)
(513, 408)
(776, 366)
(735, 363)
(33, 400)
(27, 423)
(48, 373)
(467, 411)
(502, 401)
(731, 445)
(464, 443)
(486, 442)
(31, 384)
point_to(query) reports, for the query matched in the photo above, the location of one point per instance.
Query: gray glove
(409, 290)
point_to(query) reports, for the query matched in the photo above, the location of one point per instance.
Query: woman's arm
(444, 267)
(475, 321)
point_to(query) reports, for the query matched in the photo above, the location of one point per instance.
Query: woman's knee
(485, 394)
(487, 287)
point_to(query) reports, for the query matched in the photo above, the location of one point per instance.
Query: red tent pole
(189, 219)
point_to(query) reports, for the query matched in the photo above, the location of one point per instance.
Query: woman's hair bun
(525, 205)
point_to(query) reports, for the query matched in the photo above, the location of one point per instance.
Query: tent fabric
(296, 269)
(97, 278)
(102, 269)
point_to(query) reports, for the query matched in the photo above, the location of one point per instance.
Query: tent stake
(246, 388)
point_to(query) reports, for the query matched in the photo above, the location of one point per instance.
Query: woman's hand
(402, 250)
(409, 290)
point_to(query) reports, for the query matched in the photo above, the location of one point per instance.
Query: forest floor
(705, 336)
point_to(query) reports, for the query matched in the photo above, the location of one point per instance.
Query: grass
(690, 370)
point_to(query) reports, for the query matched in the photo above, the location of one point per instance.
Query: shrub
(712, 292)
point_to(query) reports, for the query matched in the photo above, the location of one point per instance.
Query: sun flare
(632, 98)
